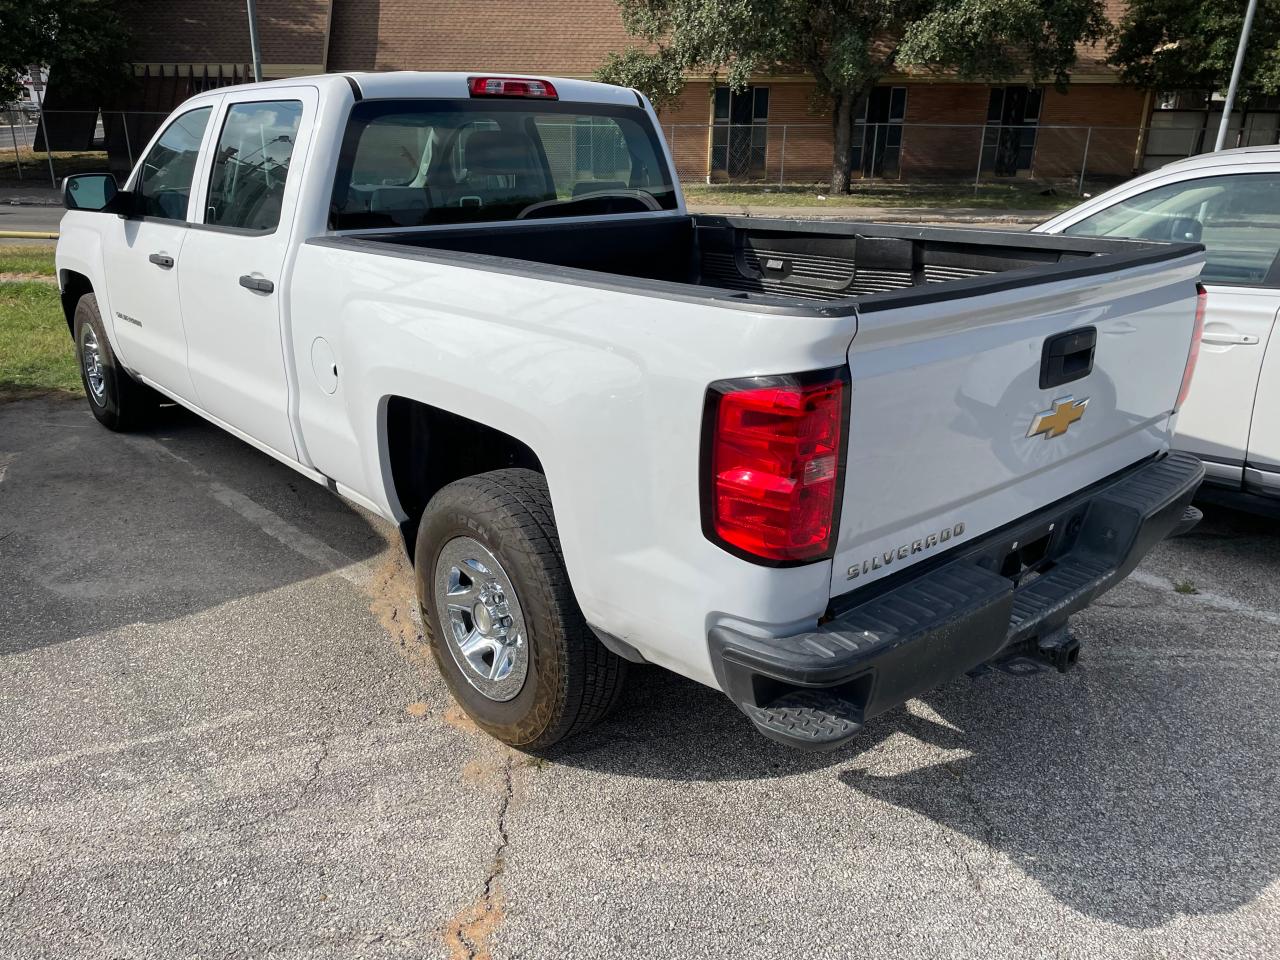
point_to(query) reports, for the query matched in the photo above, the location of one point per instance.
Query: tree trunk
(842, 158)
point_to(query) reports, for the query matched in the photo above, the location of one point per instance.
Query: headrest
(493, 153)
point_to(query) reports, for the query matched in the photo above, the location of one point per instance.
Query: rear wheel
(116, 399)
(504, 626)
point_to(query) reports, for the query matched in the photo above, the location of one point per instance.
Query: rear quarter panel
(606, 387)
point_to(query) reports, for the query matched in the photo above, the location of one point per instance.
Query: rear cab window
(408, 163)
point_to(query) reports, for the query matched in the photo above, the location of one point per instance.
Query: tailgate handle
(1067, 357)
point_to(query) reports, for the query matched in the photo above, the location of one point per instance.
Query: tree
(84, 43)
(847, 46)
(1171, 45)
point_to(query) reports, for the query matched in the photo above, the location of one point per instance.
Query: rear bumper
(1007, 592)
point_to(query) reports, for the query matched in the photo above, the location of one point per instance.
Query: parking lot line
(57, 759)
(1214, 600)
(358, 573)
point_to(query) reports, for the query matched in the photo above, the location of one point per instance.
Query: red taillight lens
(774, 459)
(1202, 299)
(511, 87)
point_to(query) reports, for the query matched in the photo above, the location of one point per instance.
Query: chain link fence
(39, 149)
(1074, 158)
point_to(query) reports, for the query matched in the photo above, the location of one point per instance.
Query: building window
(740, 132)
(1009, 140)
(1186, 122)
(877, 132)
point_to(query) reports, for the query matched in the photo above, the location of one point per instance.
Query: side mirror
(88, 191)
(1187, 229)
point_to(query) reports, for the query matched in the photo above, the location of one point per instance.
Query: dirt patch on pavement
(457, 718)
(392, 599)
(467, 935)
(27, 277)
(417, 710)
(12, 394)
(488, 769)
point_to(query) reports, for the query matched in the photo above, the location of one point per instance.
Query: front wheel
(116, 399)
(502, 620)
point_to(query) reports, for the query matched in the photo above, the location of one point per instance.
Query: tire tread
(591, 676)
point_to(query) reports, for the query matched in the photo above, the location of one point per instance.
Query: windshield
(409, 163)
(1235, 216)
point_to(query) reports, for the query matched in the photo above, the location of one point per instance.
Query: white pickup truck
(822, 467)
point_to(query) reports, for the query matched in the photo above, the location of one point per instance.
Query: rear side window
(421, 162)
(251, 165)
(164, 185)
(1236, 217)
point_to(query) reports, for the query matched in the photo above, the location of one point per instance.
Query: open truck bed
(770, 265)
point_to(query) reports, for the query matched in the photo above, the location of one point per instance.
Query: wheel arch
(74, 285)
(426, 447)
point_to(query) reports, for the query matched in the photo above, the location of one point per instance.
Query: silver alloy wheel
(91, 359)
(480, 616)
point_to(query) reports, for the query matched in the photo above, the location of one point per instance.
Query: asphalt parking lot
(220, 737)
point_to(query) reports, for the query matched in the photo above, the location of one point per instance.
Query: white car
(821, 467)
(1230, 202)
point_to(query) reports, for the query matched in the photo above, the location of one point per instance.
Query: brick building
(914, 127)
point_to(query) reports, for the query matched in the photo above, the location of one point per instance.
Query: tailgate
(951, 434)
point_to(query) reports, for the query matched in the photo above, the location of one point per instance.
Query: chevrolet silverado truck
(821, 467)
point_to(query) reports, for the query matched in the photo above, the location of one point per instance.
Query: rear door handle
(162, 260)
(257, 284)
(1228, 339)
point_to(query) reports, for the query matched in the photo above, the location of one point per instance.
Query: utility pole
(257, 49)
(1235, 75)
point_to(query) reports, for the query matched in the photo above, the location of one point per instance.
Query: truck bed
(770, 265)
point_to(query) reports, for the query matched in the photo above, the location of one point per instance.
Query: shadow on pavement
(98, 529)
(1135, 789)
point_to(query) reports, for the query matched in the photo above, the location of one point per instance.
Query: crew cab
(822, 467)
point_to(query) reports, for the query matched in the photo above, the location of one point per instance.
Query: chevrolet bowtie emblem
(1055, 422)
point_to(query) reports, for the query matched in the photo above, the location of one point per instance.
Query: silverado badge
(1055, 422)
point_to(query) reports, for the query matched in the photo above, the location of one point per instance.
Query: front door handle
(162, 260)
(1227, 339)
(257, 284)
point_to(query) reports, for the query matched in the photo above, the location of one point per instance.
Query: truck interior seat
(504, 167)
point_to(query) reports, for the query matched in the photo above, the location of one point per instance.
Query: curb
(27, 235)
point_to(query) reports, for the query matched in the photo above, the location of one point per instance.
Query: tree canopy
(1172, 45)
(847, 46)
(82, 42)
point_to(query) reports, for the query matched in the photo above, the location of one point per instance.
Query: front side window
(1236, 217)
(164, 186)
(251, 165)
(420, 162)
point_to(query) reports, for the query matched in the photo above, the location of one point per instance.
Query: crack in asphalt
(21, 892)
(467, 935)
(985, 826)
(309, 784)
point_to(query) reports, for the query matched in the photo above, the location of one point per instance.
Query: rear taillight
(773, 455)
(1193, 355)
(511, 87)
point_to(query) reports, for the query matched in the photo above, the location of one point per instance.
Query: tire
(116, 399)
(562, 679)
